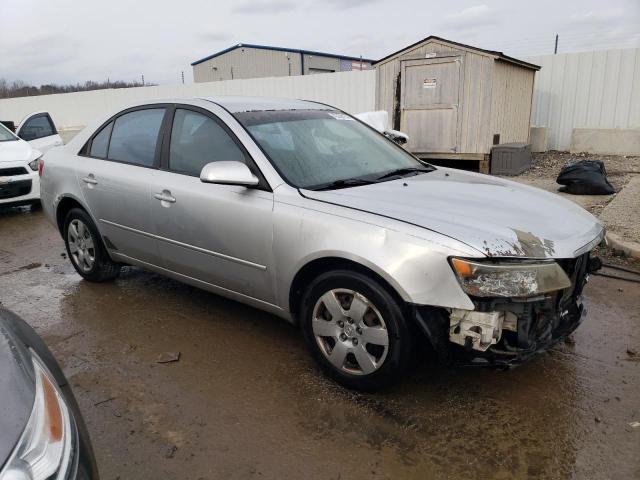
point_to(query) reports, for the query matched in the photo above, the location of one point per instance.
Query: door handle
(90, 179)
(165, 196)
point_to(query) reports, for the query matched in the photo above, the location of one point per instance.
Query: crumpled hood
(17, 389)
(17, 151)
(495, 216)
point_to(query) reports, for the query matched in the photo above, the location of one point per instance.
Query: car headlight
(509, 279)
(45, 449)
(34, 165)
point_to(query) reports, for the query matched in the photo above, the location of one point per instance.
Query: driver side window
(196, 140)
(36, 127)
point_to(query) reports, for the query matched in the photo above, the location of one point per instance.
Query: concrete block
(538, 138)
(606, 141)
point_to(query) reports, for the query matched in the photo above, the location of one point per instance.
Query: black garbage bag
(585, 177)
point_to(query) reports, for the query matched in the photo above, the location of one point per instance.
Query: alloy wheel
(81, 245)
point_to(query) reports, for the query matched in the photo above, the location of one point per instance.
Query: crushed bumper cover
(526, 327)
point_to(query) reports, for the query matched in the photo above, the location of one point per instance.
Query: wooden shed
(455, 101)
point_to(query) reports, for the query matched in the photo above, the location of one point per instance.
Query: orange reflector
(52, 409)
(462, 268)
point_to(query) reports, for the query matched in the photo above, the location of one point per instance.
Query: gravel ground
(546, 167)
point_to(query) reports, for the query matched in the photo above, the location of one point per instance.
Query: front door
(115, 175)
(38, 129)
(218, 234)
(429, 104)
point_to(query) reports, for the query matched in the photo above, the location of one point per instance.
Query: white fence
(586, 90)
(353, 92)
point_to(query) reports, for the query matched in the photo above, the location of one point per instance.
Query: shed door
(429, 102)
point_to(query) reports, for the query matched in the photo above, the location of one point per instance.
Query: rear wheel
(356, 330)
(85, 248)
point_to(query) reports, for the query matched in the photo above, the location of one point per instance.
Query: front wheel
(85, 248)
(356, 330)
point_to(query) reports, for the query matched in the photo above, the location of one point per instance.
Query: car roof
(237, 104)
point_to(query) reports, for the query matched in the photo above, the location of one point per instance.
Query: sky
(71, 41)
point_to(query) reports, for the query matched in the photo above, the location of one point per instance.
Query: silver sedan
(299, 209)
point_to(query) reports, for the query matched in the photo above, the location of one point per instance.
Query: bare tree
(19, 88)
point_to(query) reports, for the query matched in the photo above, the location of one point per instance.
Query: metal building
(252, 61)
(455, 101)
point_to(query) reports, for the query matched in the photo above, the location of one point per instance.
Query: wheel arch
(65, 204)
(320, 265)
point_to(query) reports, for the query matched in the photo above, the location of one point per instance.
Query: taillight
(40, 167)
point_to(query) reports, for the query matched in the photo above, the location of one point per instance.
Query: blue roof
(279, 49)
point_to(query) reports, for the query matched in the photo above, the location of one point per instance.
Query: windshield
(315, 149)
(5, 134)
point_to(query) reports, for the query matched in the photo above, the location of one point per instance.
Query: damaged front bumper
(505, 332)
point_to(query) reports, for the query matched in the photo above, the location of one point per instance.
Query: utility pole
(182, 73)
(142, 79)
(555, 50)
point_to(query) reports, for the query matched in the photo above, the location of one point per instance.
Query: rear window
(37, 127)
(5, 134)
(135, 136)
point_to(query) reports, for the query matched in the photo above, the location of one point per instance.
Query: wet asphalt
(245, 400)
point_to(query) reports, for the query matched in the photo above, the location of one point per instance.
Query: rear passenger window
(196, 140)
(100, 142)
(37, 127)
(135, 136)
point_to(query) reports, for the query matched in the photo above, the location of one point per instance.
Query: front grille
(9, 172)
(577, 270)
(15, 189)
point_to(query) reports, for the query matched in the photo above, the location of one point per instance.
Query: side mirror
(228, 173)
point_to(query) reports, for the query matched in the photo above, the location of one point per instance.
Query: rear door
(431, 89)
(218, 234)
(39, 130)
(115, 174)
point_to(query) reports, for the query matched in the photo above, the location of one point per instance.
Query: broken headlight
(509, 279)
(45, 450)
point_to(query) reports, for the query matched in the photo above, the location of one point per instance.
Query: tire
(87, 253)
(353, 351)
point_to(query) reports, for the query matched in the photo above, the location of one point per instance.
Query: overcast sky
(69, 41)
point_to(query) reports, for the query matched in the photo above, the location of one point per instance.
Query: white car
(19, 155)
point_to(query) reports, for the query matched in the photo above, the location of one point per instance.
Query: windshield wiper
(344, 183)
(404, 171)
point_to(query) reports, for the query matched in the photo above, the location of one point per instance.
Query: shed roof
(280, 49)
(493, 53)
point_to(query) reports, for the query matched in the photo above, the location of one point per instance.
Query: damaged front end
(502, 330)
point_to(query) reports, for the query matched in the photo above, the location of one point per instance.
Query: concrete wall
(588, 90)
(606, 141)
(353, 92)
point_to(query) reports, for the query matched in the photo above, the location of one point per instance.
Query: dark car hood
(17, 388)
(497, 217)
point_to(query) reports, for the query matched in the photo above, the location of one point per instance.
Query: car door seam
(187, 245)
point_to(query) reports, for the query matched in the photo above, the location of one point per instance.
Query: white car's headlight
(509, 279)
(45, 449)
(34, 165)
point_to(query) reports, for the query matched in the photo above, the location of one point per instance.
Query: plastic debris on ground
(585, 177)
